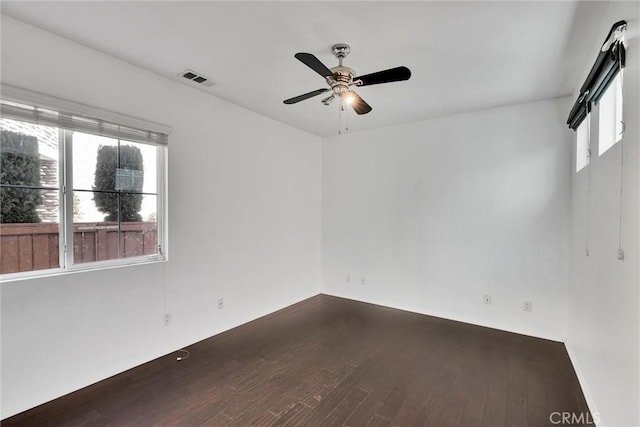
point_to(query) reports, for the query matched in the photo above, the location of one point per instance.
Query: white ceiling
(464, 56)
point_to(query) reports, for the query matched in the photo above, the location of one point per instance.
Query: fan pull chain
(346, 120)
(340, 110)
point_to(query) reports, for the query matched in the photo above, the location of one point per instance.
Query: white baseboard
(583, 384)
(501, 327)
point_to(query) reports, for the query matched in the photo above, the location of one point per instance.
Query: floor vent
(197, 78)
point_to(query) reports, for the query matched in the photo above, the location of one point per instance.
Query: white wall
(604, 296)
(433, 215)
(244, 224)
(438, 213)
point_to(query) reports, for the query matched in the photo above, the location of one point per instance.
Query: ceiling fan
(341, 79)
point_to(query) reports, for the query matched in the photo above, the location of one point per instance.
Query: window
(77, 191)
(582, 145)
(115, 199)
(610, 116)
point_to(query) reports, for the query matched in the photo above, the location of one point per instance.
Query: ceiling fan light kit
(341, 79)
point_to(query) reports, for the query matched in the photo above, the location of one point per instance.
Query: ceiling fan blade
(305, 96)
(386, 76)
(314, 63)
(358, 104)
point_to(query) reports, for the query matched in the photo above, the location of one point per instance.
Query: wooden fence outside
(26, 247)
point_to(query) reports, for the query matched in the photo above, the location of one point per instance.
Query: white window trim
(67, 266)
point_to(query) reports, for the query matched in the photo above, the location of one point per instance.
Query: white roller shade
(19, 104)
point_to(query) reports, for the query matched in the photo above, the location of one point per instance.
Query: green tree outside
(123, 205)
(19, 165)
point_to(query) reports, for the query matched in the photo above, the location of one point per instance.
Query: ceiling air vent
(197, 78)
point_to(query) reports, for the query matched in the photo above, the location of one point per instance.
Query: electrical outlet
(528, 306)
(348, 278)
(487, 299)
(167, 319)
(362, 281)
(220, 303)
(620, 254)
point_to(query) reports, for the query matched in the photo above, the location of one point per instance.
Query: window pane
(94, 239)
(86, 149)
(29, 242)
(84, 208)
(619, 118)
(141, 237)
(582, 145)
(610, 116)
(29, 197)
(112, 217)
(150, 159)
(140, 159)
(29, 154)
(98, 237)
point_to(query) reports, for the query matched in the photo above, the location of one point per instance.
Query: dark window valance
(608, 64)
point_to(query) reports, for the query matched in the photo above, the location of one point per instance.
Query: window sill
(80, 268)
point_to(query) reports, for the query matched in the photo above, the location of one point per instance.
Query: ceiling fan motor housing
(341, 79)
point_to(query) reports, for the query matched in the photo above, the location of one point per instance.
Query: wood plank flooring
(329, 361)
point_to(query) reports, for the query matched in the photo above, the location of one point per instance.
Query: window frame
(65, 179)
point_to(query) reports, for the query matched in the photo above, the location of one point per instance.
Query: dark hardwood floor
(329, 362)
